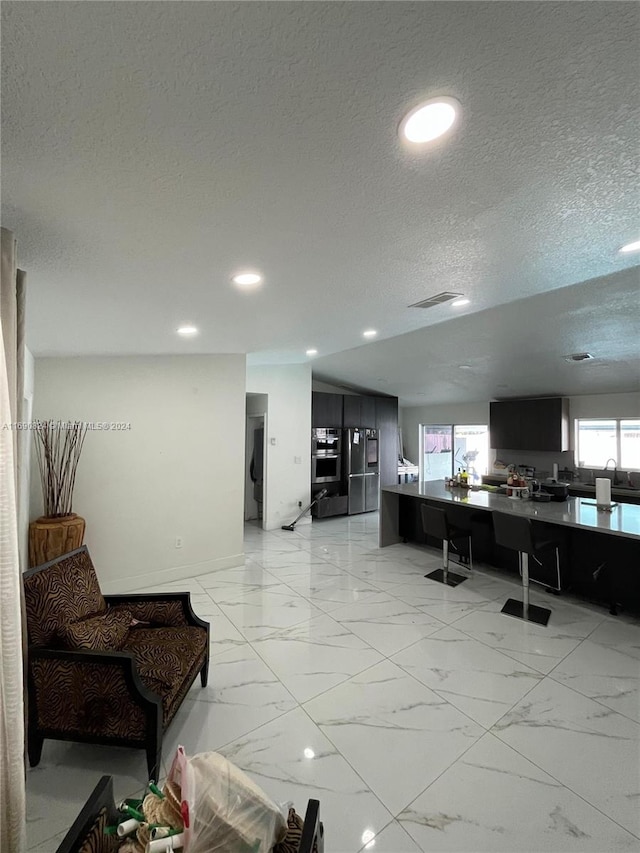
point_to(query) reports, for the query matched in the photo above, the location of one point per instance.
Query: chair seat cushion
(166, 657)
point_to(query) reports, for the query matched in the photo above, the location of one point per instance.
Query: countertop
(623, 520)
(575, 486)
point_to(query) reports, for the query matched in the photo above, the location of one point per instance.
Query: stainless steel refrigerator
(362, 469)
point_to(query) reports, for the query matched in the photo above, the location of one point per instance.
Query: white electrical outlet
(297, 460)
(178, 541)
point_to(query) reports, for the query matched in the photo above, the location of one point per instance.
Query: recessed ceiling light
(309, 753)
(465, 366)
(630, 247)
(370, 333)
(312, 352)
(187, 331)
(429, 120)
(459, 303)
(247, 279)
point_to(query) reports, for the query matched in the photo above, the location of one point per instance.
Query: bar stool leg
(525, 585)
(522, 609)
(443, 575)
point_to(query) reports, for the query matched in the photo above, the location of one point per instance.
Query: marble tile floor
(420, 716)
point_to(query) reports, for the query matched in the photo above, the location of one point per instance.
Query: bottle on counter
(459, 477)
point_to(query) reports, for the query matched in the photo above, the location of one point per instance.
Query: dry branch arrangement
(58, 448)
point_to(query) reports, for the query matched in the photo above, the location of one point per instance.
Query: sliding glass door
(437, 457)
(447, 447)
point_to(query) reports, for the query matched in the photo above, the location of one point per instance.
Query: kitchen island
(591, 537)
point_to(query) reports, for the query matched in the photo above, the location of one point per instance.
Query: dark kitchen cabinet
(359, 411)
(504, 425)
(326, 410)
(351, 411)
(368, 412)
(387, 425)
(546, 425)
(533, 424)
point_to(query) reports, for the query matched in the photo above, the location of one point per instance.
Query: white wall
(326, 387)
(288, 388)
(179, 470)
(605, 406)
(410, 419)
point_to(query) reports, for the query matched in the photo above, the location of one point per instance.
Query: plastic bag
(223, 810)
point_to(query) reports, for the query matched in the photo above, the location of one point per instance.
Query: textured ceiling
(152, 149)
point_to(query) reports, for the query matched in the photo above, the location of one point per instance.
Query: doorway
(255, 478)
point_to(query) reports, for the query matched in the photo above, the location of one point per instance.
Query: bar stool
(435, 523)
(522, 535)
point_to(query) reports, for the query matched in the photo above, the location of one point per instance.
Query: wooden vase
(51, 537)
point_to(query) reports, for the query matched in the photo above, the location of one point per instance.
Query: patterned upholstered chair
(108, 669)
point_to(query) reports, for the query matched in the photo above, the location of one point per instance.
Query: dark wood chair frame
(101, 797)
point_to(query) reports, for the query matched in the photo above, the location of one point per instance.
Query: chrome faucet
(615, 469)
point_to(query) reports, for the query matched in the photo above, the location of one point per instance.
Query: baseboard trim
(159, 577)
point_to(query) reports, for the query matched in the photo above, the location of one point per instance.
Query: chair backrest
(434, 522)
(513, 531)
(87, 834)
(61, 591)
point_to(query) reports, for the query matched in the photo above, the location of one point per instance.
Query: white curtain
(12, 730)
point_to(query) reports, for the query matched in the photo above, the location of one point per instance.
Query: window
(447, 447)
(607, 440)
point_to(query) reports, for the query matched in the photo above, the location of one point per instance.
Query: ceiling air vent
(578, 356)
(438, 299)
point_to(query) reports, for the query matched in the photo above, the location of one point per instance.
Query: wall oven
(326, 458)
(325, 442)
(326, 468)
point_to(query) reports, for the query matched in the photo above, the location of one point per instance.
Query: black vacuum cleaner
(321, 494)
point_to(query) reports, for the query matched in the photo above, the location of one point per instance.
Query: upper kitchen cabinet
(359, 411)
(387, 424)
(541, 423)
(505, 425)
(326, 410)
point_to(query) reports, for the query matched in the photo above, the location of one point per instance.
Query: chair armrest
(125, 661)
(142, 603)
(313, 832)
(107, 683)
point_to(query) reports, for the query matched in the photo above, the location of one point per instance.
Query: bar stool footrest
(452, 578)
(539, 615)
